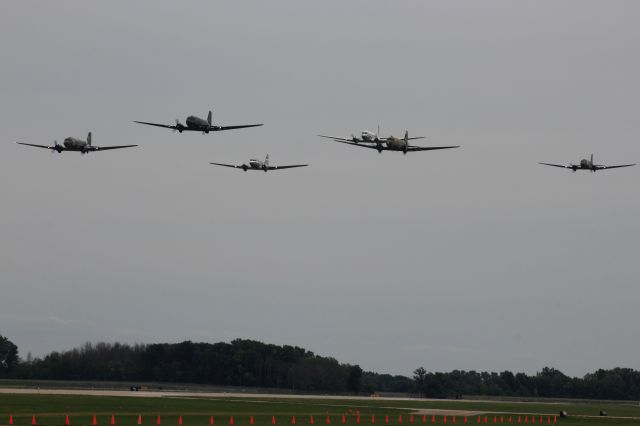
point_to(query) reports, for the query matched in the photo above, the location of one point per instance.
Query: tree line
(239, 363)
(617, 384)
(249, 363)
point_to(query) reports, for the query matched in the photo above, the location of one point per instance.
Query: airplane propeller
(56, 147)
(179, 127)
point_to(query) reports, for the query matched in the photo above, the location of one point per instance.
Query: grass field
(52, 409)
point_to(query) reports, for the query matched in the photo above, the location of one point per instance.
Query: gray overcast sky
(475, 258)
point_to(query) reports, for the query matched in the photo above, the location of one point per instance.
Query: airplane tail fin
(89, 139)
(209, 118)
(378, 134)
(591, 159)
(406, 136)
(266, 160)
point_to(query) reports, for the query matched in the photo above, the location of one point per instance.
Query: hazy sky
(474, 258)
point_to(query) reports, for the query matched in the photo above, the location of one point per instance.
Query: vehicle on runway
(78, 145)
(197, 124)
(390, 144)
(259, 165)
(587, 165)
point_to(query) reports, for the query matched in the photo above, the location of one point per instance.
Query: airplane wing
(337, 139)
(60, 147)
(286, 167)
(428, 148)
(242, 126)
(166, 126)
(614, 167)
(106, 148)
(227, 165)
(362, 144)
(556, 165)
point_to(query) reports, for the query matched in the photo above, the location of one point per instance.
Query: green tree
(419, 377)
(8, 355)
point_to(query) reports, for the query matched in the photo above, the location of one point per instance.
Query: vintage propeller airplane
(387, 144)
(587, 165)
(197, 124)
(259, 165)
(78, 145)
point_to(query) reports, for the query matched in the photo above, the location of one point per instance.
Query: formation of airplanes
(367, 139)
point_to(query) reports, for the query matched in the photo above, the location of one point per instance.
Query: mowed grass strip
(52, 409)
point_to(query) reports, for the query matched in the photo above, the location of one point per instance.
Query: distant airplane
(259, 165)
(365, 137)
(587, 165)
(74, 144)
(197, 124)
(390, 144)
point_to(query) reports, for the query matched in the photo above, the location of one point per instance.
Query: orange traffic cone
(139, 419)
(251, 421)
(311, 420)
(180, 420)
(212, 421)
(33, 420)
(113, 420)
(373, 419)
(343, 420)
(273, 420)
(232, 420)
(94, 420)
(10, 419)
(293, 420)
(158, 421)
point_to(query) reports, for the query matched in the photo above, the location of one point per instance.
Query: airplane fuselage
(74, 144)
(256, 164)
(368, 136)
(584, 165)
(396, 144)
(197, 123)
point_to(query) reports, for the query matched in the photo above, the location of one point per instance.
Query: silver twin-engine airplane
(369, 140)
(197, 124)
(259, 165)
(78, 145)
(587, 165)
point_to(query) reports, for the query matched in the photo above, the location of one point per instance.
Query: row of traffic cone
(343, 420)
